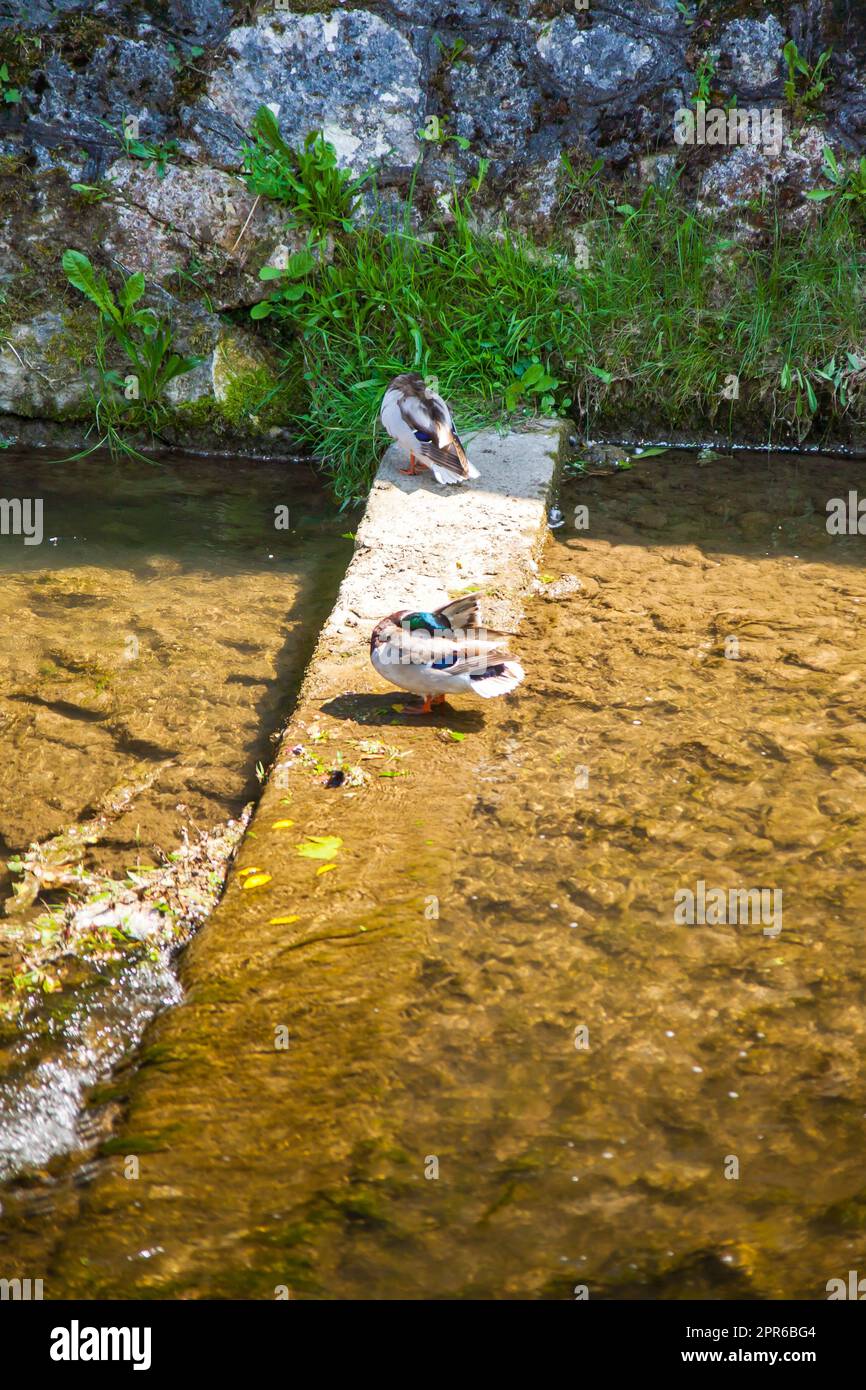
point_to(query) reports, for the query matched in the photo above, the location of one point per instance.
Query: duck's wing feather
(461, 612)
(465, 613)
(436, 439)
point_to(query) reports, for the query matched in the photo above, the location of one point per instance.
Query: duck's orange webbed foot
(415, 466)
(427, 706)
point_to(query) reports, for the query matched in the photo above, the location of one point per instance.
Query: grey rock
(457, 14)
(125, 77)
(612, 62)
(750, 171)
(749, 53)
(200, 22)
(43, 14)
(37, 376)
(41, 375)
(494, 100)
(349, 73)
(617, 76)
(203, 205)
(196, 21)
(195, 212)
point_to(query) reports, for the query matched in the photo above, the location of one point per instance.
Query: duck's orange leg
(412, 469)
(427, 707)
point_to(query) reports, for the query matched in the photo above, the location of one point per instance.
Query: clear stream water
(693, 711)
(161, 625)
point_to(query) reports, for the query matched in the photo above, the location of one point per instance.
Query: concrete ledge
(420, 542)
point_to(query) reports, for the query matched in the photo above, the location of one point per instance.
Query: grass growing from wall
(656, 320)
(471, 313)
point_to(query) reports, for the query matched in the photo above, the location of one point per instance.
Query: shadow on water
(386, 711)
(163, 622)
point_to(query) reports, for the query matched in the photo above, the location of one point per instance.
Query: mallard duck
(446, 652)
(421, 423)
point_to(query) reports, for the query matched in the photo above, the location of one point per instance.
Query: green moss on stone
(79, 36)
(250, 394)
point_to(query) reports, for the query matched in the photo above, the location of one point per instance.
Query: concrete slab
(421, 543)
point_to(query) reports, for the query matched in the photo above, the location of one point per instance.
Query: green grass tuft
(666, 311)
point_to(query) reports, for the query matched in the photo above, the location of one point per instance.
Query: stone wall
(520, 82)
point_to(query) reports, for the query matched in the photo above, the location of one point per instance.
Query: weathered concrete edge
(419, 544)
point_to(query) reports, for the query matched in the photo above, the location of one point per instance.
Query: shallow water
(158, 630)
(693, 711)
(163, 620)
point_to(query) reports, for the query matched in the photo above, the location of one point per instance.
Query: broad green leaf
(301, 263)
(80, 273)
(132, 290)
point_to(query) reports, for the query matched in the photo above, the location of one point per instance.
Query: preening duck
(420, 421)
(444, 652)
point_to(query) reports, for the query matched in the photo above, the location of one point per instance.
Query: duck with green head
(443, 652)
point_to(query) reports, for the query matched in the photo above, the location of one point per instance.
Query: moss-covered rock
(236, 395)
(39, 375)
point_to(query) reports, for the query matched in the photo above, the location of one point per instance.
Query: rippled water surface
(149, 644)
(610, 1098)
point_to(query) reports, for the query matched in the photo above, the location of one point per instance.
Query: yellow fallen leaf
(281, 824)
(325, 867)
(243, 872)
(319, 846)
(398, 709)
(256, 880)
(283, 921)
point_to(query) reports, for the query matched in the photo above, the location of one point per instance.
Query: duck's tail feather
(447, 460)
(498, 679)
